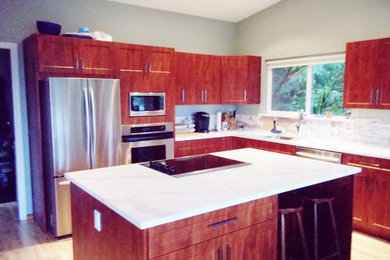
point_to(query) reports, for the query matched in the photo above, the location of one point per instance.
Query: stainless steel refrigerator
(80, 121)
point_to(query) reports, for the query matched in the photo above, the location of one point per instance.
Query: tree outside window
(317, 88)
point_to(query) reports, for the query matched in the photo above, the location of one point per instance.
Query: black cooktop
(191, 165)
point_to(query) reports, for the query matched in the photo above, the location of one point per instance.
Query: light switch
(97, 220)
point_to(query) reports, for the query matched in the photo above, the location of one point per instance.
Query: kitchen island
(144, 214)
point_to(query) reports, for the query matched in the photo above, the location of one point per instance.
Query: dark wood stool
(328, 201)
(297, 211)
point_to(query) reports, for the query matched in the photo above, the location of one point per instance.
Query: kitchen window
(313, 84)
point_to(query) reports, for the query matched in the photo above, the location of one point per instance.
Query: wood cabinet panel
(254, 242)
(198, 78)
(367, 80)
(116, 238)
(200, 146)
(371, 210)
(174, 237)
(96, 57)
(384, 75)
(145, 69)
(73, 56)
(264, 145)
(56, 54)
(241, 80)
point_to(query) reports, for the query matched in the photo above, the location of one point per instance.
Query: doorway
(7, 141)
(14, 150)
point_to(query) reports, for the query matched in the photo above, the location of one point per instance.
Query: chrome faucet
(298, 124)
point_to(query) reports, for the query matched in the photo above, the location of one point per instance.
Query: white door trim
(22, 161)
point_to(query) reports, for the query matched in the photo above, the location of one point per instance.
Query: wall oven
(146, 104)
(147, 142)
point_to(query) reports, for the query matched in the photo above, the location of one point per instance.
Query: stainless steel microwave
(146, 104)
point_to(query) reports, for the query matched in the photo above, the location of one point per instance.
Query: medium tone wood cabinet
(145, 69)
(201, 146)
(241, 77)
(68, 55)
(244, 231)
(198, 78)
(211, 145)
(367, 74)
(371, 211)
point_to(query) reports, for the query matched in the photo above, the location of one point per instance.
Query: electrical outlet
(97, 220)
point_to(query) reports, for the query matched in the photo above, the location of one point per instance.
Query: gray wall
(125, 23)
(305, 27)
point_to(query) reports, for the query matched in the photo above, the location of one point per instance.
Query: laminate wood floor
(24, 240)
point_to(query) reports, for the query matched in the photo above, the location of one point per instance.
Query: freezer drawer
(61, 220)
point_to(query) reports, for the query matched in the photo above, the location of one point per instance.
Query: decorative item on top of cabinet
(241, 80)
(198, 78)
(367, 74)
(68, 55)
(371, 209)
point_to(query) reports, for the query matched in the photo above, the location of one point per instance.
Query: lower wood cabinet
(201, 146)
(211, 145)
(371, 210)
(244, 231)
(255, 242)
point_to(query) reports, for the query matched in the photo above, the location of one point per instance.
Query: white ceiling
(225, 10)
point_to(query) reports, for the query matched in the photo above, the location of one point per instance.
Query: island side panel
(118, 238)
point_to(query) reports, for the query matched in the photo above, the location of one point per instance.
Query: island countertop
(148, 198)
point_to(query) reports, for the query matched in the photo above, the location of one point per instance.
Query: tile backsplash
(367, 130)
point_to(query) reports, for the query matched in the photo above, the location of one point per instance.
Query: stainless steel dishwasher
(318, 154)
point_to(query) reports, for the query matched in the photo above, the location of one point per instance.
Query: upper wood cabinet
(145, 69)
(367, 74)
(145, 60)
(241, 77)
(198, 78)
(68, 55)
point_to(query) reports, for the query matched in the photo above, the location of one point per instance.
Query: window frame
(302, 61)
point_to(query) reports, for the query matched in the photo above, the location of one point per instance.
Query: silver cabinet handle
(224, 222)
(146, 67)
(150, 67)
(371, 95)
(82, 64)
(183, 93)
(77, 64)
(244, 95)
(377, 97)
(205, 95)
(202, 95)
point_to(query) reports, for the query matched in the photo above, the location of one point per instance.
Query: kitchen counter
(336, 145)
(148, 198)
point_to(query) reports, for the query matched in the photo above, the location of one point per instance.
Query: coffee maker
(202, 120)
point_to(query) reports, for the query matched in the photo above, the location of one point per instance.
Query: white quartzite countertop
(336, 145)
(148, 198)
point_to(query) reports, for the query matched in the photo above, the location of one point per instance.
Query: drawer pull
(230, 220)
(381, 226)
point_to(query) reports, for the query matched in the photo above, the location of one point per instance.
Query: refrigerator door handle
(87, 121)
(93, 124)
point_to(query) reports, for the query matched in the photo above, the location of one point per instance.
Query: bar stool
(297, 211)
(328, 201)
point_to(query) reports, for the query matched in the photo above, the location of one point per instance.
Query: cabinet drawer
(173, 236)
